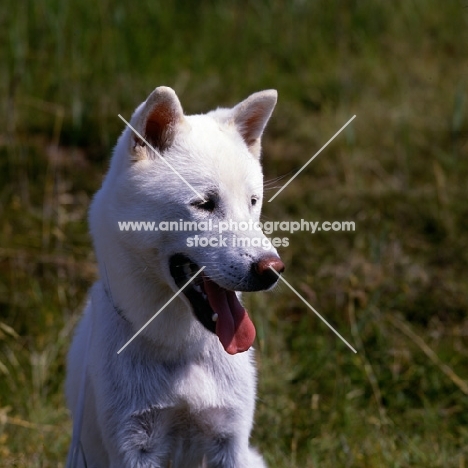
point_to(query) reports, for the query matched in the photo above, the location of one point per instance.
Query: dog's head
(199, 180)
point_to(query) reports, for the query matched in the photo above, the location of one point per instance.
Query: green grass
(396, 288)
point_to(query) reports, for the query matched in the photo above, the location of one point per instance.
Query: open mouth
(216, 308)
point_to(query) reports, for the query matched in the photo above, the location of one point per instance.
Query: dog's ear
(159, 119)
(251, 116)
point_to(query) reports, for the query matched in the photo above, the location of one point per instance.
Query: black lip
(201, 308)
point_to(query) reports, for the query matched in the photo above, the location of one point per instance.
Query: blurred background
(396, 288)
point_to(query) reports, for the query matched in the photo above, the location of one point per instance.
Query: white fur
(174, 397)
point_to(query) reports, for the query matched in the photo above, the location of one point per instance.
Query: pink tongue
(234, 328)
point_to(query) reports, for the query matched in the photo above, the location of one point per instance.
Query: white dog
(182, 393)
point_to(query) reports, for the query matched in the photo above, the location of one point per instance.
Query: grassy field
(396, 288)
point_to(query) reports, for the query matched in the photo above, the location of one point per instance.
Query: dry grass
(396, 288)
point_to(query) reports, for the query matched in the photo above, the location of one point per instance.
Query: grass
(396, 287)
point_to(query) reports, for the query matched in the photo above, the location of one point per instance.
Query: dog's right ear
(158, 120)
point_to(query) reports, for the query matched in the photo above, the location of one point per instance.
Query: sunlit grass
(396, 288)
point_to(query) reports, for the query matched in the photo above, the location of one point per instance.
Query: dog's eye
(209, 204)
(253, 201)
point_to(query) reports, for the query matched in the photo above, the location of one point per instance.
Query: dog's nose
(263, 270)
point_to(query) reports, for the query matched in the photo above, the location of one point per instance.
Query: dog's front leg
(143, 441)
(255, 459)
(228, 454)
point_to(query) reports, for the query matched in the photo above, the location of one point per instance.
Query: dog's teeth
(214, 317)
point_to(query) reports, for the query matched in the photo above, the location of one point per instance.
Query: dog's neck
(137, 297)
(108, 292)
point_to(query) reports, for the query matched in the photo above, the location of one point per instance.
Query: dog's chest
(197, 387)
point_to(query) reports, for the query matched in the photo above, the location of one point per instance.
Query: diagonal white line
(156, 152)
(312, 309)
(161, 309)
(312, 158)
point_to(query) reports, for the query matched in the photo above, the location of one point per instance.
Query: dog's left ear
(251, 116)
